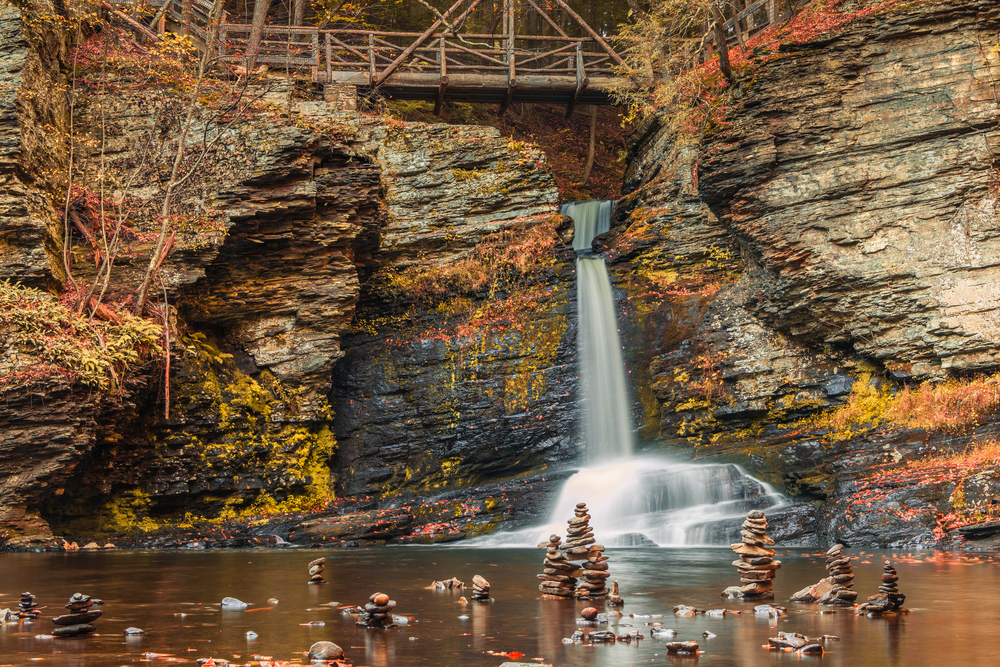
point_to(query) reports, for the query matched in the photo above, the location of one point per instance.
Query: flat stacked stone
(559, 576)
(888, 597)
(841, 578)
(27, 607)
(581, 545)
(316, 568)
(378, 612)
(756, 566)
(77, 621)
(480, 588)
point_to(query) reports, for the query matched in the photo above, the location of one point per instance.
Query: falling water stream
(633, 500)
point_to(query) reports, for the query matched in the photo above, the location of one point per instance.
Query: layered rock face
(276, 232)
(836, 234)
(447, 391)
(31, 124)
(865, 191)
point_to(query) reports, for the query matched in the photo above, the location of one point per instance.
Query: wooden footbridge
(443, 62)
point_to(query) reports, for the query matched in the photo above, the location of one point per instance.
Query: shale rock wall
(285, 237)
(835, 234)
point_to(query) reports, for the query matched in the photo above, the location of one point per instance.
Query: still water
(174, 596)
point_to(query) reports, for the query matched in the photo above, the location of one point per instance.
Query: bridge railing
(372, 52)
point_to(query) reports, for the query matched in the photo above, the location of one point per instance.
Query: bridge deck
(440, 65)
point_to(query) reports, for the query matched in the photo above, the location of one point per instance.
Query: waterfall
(607, 430)
(590, 218)
(633, 501)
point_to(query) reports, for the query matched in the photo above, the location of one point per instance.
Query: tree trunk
(299, 12)
(720, 41)
(260, 9)
(636, 9)
(592, 146)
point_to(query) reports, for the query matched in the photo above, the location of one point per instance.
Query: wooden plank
(329, 55)
(480, 54)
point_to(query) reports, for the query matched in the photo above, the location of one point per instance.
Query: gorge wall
(374, 321)
(834, 239)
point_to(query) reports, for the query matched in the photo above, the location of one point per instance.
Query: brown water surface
(175, 597)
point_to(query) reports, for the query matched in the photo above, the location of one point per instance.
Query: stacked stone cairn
(615, 599)
(26, 606)
(841, 577)
(316, 571)
(378, 612)
(756, 566)
(77, 621)
(888, 597)
(580, 545)
(480, 589)
(558, 577)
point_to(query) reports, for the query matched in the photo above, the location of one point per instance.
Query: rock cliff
(832, 239)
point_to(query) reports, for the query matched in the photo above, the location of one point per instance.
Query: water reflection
(952, 610)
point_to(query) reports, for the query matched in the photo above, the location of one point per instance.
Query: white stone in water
(251, 635)
(400, 620)
(463, 618)
(669, 632)
(132, 632)
(709, 635)
(567, 640)
(233, 604)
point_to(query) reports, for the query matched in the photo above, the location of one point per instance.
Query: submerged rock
(325, 651)
(233, 604)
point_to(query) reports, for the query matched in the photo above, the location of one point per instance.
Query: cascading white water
(590, 218)
(607, 427)
(633, 501)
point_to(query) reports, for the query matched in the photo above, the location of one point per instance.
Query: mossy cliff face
(275, 233)
(832, 237)
(32, 125)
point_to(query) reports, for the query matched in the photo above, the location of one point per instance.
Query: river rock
(78, 618)
(133, 632)
(233, 604)
(756, 567)
(325, 651)
(73, 630)
(682, 648)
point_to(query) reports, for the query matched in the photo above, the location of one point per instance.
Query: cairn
(316, 571)
(756, 566)
(27, 607)
(888, 597)
(581, 545)
(615, 599)
(841, 577)
(480, 589)
(77, 622)
(558, 577)
(378, 612)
